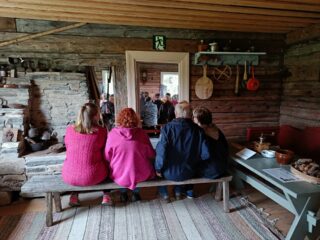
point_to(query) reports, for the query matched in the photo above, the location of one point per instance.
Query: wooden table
(300, 198)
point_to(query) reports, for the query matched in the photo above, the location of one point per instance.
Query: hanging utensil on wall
(222, 74)
(253, 83)
(236, 89)
(245, 76)
(204, 85)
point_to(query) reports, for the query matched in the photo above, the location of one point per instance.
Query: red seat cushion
(311, 142)
(290, 138)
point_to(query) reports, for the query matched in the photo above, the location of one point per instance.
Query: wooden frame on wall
(180, 58)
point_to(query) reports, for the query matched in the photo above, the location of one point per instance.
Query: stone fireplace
(50, 101)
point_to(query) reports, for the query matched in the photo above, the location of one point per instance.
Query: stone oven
(43, 100)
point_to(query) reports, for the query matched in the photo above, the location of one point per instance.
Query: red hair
(127, 118)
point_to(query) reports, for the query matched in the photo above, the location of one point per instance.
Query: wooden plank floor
(148, 231)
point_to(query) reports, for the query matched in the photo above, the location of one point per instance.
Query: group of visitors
(156, 111)
(186, 149)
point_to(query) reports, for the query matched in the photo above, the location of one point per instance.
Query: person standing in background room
(149, 114)
(142, 102)
(217, 165)
(85, 164)
(166, 111)
(180, 150)
(107, 111)
(157, 101)
(129, 153)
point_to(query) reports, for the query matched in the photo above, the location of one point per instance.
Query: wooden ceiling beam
(136, 21)
(263, 4)
(194, 6)
(146, 20)
(314, 2)
(135, 5)
(185, 12)
(161, 10)
(155, 14)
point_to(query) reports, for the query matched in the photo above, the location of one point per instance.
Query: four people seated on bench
(183, 151)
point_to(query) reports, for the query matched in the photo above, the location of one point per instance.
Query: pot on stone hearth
(33, 132)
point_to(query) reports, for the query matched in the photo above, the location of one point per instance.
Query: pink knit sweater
(85, 164)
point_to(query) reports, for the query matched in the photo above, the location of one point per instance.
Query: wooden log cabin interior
(46, 49)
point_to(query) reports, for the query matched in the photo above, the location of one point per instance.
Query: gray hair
(183, 110)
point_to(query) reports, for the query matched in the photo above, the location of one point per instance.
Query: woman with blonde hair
(85, 141)
(129, 153)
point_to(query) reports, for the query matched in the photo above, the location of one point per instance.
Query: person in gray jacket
(149, 114)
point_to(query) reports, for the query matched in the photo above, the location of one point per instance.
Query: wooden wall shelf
(227, 58)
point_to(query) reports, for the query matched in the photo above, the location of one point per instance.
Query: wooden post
(218, 195)
(28, 37)
(49, 218)
(57, 201)
(226, 196)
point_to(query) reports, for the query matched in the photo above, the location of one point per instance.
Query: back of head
(183, 110)
(203, 115)
(103, 96)
(148, 99)
(111, 98)
(87, 118)
(127, 118)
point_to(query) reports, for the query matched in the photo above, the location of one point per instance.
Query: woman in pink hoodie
(129, 153)
(85, 142)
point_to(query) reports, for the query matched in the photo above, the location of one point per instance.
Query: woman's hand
(158, 174)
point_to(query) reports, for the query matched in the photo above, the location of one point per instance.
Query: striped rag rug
(200, 218)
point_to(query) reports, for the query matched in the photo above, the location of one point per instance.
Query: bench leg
(49, 218)
(226, 196)
(218, 195)
(57, 201)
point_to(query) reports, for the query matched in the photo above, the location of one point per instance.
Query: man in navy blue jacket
(181, 147)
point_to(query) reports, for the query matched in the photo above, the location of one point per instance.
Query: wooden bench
(53, 186)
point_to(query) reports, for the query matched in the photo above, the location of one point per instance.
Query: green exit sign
(159, 42)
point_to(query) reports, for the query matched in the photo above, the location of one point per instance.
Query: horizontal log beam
(7, 25)
(302, 35)
(25, 38)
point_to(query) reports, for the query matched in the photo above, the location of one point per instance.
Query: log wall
(94, 45)
(300, 105)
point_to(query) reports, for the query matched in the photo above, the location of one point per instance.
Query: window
(107, 87)
(169, 83)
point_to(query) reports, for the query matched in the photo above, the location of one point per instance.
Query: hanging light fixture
(144, 76)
